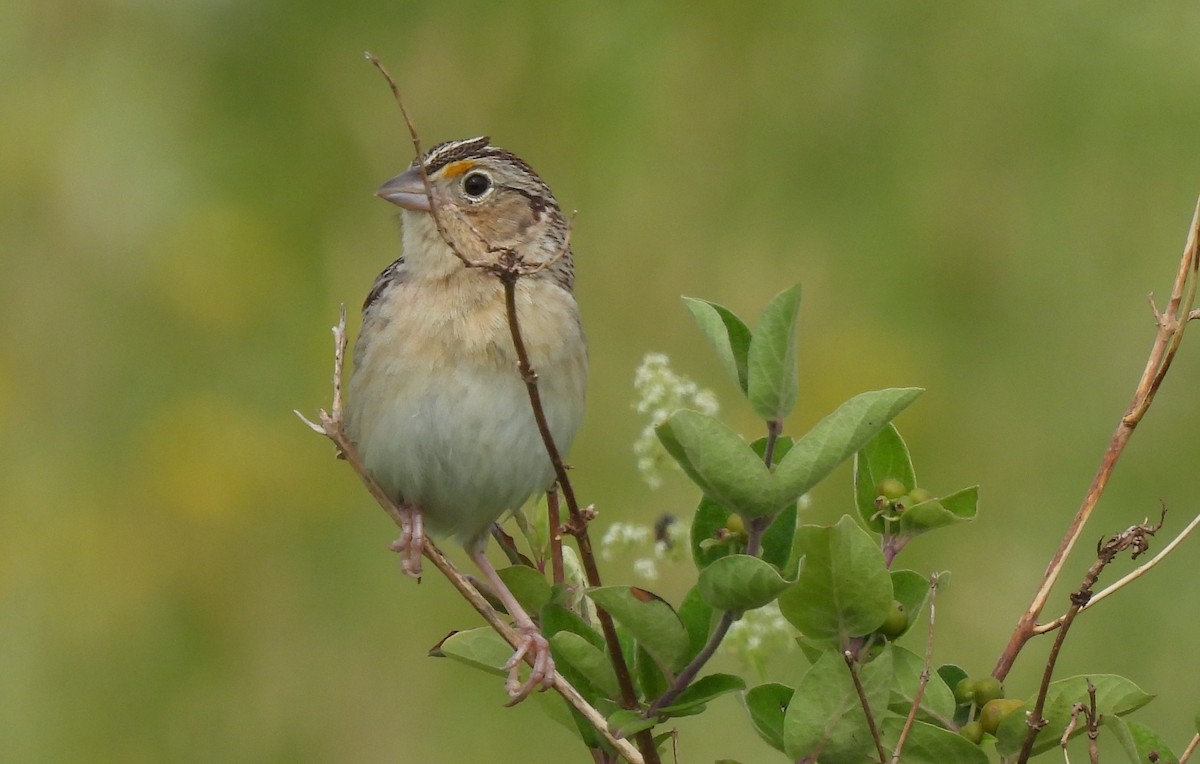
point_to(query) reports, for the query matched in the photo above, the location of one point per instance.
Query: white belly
(444, 421)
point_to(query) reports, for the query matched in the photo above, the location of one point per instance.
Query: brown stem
(509, 271)
(1171, 324)
(578, 524)
(330, 424)
(1106, 551)
(925, 673)
(866, 706)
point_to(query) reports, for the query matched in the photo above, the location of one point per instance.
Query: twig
(1128, 578)
(1093, 725)
(1135, 538)
(685, 677)
(1170, 325)
(925, 672)
(330, 424)
(1076, 710)
(866, 705)
(1192, 746)
(509, 267)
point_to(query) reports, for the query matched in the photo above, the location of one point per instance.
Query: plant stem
(848, 656)
(577, 526)
(1171, 324)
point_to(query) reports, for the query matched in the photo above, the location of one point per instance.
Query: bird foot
(541, 675)
(411, 542)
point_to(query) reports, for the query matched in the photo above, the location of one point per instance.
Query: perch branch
(330, 424)
(1170, 325)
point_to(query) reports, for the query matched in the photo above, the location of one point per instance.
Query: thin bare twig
(925, 672)
(509, 267)
(848, 656)
(1192, 746)
(1170, 324)
(330, 424)
(1136, 538)
(1128, 578)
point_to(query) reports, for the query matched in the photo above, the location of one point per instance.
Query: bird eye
(476, 184)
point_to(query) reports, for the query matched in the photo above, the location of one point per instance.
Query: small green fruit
(896, 621)
(735, 525)
(964, 692)
(919, 495)
(972, 731)
(987, 689)
(995, 710)
(891, 488)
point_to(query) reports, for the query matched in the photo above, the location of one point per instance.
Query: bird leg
(412, 540)
(532, 643)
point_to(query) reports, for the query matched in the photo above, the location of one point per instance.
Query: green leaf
(772, 378)
(650, 679)
(825, 714)
(937, 701)
(778, 539)
(911, 590)
(553, 706)
(697, 618)
(720, 463)
(958, 507)
(649, 618)
(1139, 741)
(555, 618)
(729, 335)
(589, 661)
(626, 723)
(930, 744)
(529, 586)
(767, 704)
(884, 456)
(836, 437)
(1115, 696)
(740, 582)
(952, 675)
(704, 690)
(709, 519)
(480, 648)
(843, 590)
(728, 471)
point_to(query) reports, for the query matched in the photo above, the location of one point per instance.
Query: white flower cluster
(672, 546)
(760, 635)
(661, 392)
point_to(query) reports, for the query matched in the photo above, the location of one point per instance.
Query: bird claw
(411, 542)
(541, 675)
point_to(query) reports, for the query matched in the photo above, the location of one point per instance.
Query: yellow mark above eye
(454, 169)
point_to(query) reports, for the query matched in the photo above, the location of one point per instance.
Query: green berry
(987, 689)
(891, 488)
(995, 710)
(735, 525)
(896, 621)
(919, 495)
(972, 731)
(964, 692)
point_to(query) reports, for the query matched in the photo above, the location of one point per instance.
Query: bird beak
(406, 190)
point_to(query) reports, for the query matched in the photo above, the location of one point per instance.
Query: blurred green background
(976, 197)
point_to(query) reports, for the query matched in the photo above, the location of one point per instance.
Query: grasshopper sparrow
(436, 406)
